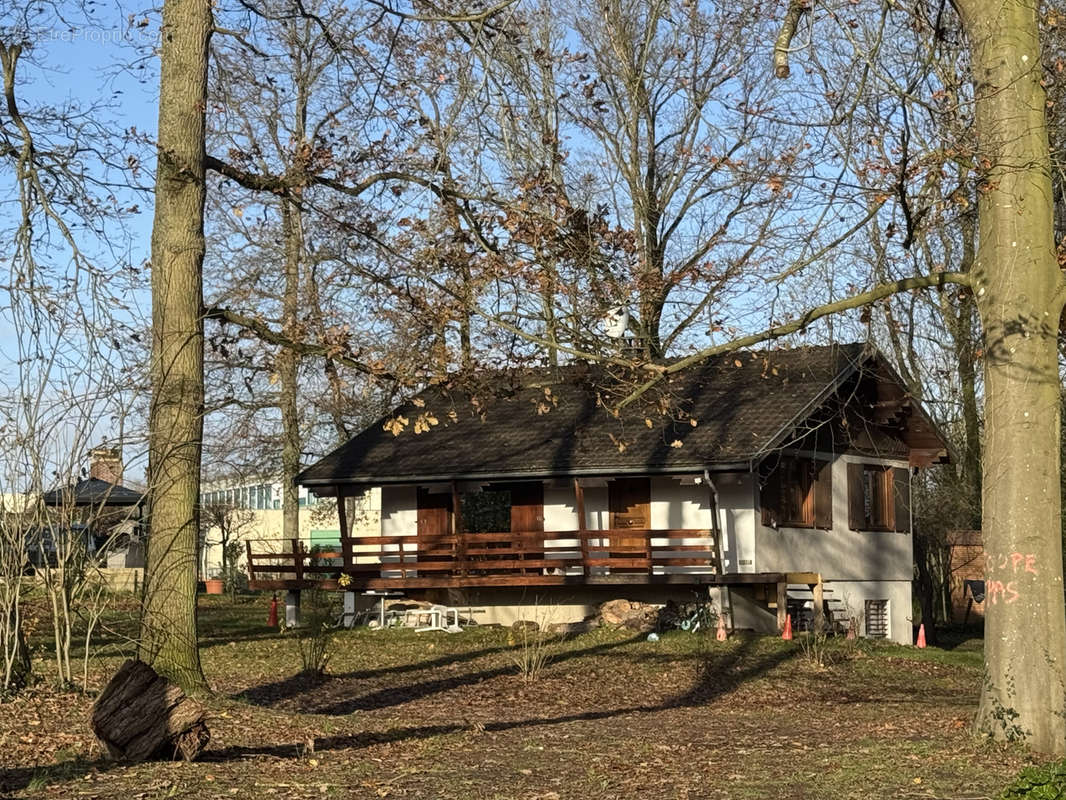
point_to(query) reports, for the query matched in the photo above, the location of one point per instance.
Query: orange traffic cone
(787, 633)
(921, 635)
(721, 635)
(272, 618)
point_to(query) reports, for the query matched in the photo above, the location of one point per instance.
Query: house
(103, 511)
(764, 481)
(967, 576)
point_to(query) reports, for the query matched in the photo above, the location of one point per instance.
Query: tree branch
(476, 16)
(266, 334)
(796, 9)
(937, 279)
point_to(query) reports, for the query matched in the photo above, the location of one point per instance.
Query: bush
(1039, 783)
(533, 644)
(314, 635)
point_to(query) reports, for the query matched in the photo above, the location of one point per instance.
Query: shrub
(533, 643)
(1039, 783)
(314, 635)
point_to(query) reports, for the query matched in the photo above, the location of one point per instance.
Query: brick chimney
(105, 464)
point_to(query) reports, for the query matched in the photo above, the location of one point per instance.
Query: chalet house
(762, 480)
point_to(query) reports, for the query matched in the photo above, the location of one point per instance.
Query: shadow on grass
(272, 693)
(269, 694)
(719, 673)
(958, 636)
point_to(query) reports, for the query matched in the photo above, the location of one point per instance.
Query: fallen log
(140, 715)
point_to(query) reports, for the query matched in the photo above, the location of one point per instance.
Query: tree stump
(141, 715)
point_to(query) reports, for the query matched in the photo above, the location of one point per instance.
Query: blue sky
(80, 60)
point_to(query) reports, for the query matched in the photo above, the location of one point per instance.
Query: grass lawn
(434, 715)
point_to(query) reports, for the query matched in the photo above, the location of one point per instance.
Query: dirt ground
(437, 715)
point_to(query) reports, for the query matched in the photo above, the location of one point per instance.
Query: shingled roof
(91, 492)
(727, 413)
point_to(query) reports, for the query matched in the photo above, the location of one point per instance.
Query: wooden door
(435, 541)
(629, 501)
(527, 522)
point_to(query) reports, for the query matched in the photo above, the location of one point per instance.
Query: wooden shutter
(856, 500)
(902, 495)
(527, 506)
(434, 513)
(770, 498)
(434, 530)
(823, 494)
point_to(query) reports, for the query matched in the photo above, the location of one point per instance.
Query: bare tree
(69, 366)
(224, 525)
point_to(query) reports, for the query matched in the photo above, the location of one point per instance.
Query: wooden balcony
(535, 558)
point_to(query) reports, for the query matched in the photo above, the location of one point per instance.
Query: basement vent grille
(877, 619)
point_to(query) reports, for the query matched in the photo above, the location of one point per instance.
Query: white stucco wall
(399, 510)
(854, 594)
(854, 565)
(560, 509)
(399, 517)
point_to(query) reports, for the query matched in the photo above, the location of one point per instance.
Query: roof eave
(582, 472)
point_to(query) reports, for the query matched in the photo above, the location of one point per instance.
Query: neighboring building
(769, 481)
(104, 510)
(251, 509)
(967, 576)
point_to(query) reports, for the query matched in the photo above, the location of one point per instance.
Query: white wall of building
(855, 565)
(399, 510)
(560, 508)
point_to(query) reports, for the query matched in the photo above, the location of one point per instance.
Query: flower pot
(214, 585)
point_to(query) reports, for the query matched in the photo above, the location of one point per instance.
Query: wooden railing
(484, 559)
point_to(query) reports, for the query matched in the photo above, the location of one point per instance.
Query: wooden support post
(248, 563)
(582, 530)
(346, 534)
(782, 604)
(298, 558)
(457, 528)
(716, 530)
(819, 607)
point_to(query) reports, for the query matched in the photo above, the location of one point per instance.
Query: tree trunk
(140, 715)
(168, 624)
(1017, 284)
(288, 371)
(926, 591)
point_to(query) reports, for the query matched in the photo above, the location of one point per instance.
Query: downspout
(716, 530)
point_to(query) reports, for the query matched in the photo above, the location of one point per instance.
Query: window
(798, 493)
(487, 511)
(878, 498)
(877, 619)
